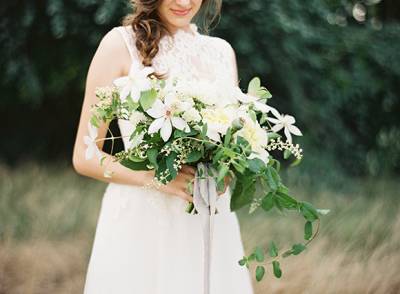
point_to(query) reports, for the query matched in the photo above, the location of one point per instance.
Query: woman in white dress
(145, 242)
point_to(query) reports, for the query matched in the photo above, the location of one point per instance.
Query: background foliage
(334, 64)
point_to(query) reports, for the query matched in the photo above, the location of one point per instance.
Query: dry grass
(48, 216)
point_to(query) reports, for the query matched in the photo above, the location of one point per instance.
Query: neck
(174, 29)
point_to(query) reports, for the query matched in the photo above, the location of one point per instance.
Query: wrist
(150, 181)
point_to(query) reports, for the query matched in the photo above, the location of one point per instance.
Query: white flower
(137, 117)
(191, 115)
(218, 121)
(90, 141)
(247, 99)
(286, 122)
(163, 112)
(137, 140)
(136, 81)
(202, 90)
(257, 138)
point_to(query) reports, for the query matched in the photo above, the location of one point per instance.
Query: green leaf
(273, 136)
(133, 158)
(260, 271)
(298, 248)
(286, 154)
(308, 211)
(180, 134)
(152, 157)
(259, 253)
(193, 156)
(228, 137)
(203, 133)
(134, 165)
(170, 160)
(252, 115)
(287, 253)
(131, 104)
(268, 202)
(222, 172)
(273, 250)
(296, 162)
(286, 201)
(308, 230)
(243, 261)
(256, 165)
(240, 168)
(94, 121)
(264, 93)
(147, 98)
(242, 193)
(102, 160)
(254, 85)
(273, 178)
(276, 268)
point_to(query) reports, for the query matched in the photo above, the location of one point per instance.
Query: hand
(227, 181)
(178, 186)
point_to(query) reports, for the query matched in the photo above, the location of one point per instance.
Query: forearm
(121, 174)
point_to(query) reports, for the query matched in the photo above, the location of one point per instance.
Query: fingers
(186, 196)
(187, 169)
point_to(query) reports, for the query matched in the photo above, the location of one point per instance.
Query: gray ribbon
(204, 200)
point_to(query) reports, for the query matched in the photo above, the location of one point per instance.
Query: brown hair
(149, 28)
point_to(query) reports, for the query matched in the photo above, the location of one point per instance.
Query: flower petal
(289, 119)
(135, 94)
(276, 128)
(147, 70)
(121, 82)
(262, 107)
(124, 92)
(166, 130)
(213, 135)
(276, 113)
(87, 140)
(273, 120)
(295, 130)
(169, 98)
(89, 152)
(288, 135)
(92, 131)
(179, 123)
(157, 110)
(156, 125)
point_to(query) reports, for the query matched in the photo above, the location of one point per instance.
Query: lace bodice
(190, 56)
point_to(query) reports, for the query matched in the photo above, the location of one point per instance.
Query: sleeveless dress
(145, 242)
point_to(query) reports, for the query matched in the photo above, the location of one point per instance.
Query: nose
(183, 3)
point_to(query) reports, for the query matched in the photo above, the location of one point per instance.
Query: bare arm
(234, 66)
(110, 61)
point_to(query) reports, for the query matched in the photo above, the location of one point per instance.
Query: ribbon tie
(204, 200)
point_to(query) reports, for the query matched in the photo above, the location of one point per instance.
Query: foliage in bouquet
(178, 122)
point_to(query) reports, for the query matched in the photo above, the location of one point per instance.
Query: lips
(180, 12)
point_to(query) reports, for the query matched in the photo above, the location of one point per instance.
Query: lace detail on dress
(193, 57)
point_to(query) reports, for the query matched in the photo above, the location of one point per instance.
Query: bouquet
(237, 134)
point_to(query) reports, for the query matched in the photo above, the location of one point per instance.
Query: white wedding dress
(145, 242)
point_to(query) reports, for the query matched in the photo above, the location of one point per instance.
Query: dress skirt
(145, 243)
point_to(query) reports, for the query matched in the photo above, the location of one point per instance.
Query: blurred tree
(334, 64)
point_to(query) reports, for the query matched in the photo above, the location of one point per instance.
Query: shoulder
(220, 43)
(112, 47)
(113, 41)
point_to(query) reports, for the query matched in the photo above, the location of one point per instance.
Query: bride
(145, 242)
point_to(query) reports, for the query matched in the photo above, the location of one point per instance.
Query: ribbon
(204, 200)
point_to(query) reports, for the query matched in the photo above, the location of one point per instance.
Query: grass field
(48, 216)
